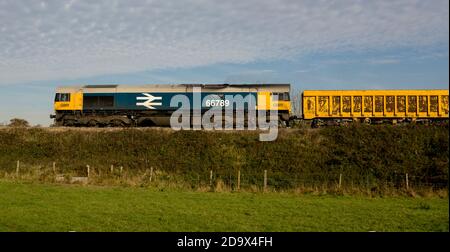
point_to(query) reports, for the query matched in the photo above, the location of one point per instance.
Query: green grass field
(46, 207)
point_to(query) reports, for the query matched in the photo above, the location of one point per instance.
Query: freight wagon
(150, 105)
(331, 107)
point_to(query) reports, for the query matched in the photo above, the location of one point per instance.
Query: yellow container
(375, 104)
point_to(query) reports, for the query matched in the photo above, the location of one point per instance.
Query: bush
(17, 122)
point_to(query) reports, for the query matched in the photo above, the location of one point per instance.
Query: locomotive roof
(175, 87)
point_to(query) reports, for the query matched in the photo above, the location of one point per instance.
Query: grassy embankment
(372, 159)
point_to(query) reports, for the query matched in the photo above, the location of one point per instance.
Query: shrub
(17, 122)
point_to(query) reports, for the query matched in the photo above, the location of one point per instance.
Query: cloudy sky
(310, 44)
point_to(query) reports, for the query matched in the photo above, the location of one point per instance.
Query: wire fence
(232, 180)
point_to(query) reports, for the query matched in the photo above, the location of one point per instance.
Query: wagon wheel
(314, 124)
(344, 123)
(367, 120)
(282, 124)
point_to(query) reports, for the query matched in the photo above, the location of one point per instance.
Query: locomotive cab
(67, 100)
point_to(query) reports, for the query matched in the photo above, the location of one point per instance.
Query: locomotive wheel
(117, 123)
(69, 122)
(93, 123)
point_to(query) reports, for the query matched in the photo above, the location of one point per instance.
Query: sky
(383, 44)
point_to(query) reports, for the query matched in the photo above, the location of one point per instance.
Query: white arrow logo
(149, 101)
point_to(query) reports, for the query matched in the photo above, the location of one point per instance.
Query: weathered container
(377, 104)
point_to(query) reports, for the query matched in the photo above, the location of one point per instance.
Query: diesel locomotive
(150, 105)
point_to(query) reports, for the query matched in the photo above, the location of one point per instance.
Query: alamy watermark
(232, 109)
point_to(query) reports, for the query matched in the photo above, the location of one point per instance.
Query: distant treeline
(373, 156)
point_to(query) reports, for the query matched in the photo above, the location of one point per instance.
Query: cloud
(49, 40)
(251, 76)
(386, 61)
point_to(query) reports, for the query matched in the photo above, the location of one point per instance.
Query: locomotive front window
(282, 96)
(65, 97)
(62, 97)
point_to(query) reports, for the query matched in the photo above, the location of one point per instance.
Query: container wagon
(331, 107)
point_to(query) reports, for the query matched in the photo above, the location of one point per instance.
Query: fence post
(239, 180)
(112, 169)
(407, 182)
(265, 180)
(340, 180)
(54, 167)
(210, 178)
(17, 168)
(151, 173)
(88, 170)
(121, 168)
